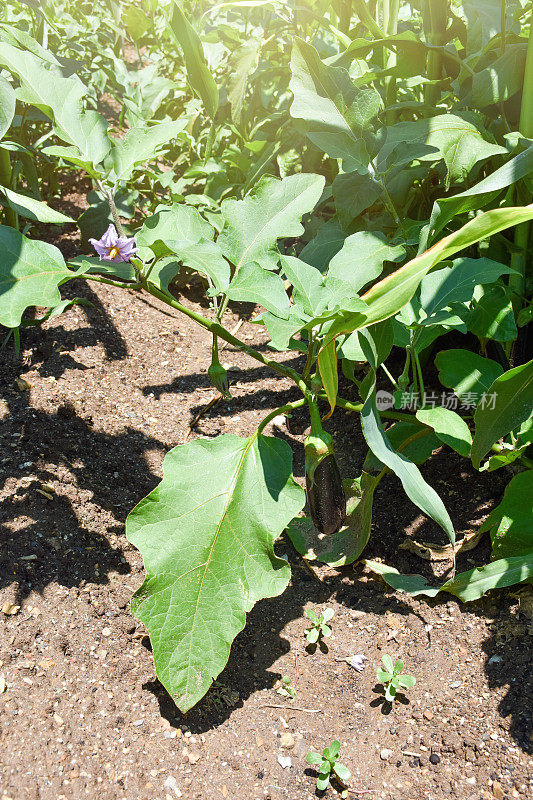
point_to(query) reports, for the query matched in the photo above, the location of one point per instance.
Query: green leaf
(253, 284)
(362, 257)
(502, 79)
(143, 144)
(354, 193)
(389, 295)
(513, 404)
(29, 208)
(481, 193)
(388, 663)
(466, 586)
(415, 487)
(466, 373)
(135, 21)
(7, 106)
(334, 749)
(412, 584)
(313, 758)
(322, 782)
(93, 265)
(312, 615)
(327, 242)
(383, 675)
(335, 120)
(173, 228)
(327, 367)
(31, 273)
(492, 315)
(400, 435)
(459, 143)
(312, 635)
(45, 86)
(271, 211)
(456, 283)
(205, 257)
(511, 522)
(244, 64)
(406, 681)
(390, 692)
(198, 72)
(382, 334)
(206, 535)
(309, 286)
(398, 666)
(476, 582)
(449, 427)
(342, 772)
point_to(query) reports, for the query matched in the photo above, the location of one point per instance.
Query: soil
(111, 387)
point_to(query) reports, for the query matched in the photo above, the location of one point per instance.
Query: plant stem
(367, 19)
(517, 281)
(218, 330)
(10, 216)
(112, 207)
(435, 22)
(348, 405)
(286, 409)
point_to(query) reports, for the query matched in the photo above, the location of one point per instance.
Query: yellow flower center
(113, 253)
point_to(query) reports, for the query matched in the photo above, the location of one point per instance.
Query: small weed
(319, 627)
(393, 677)
(328, 765)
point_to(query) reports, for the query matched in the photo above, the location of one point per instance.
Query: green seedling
(318, 628)
(328, 765)
(286, 690)
(393, 678)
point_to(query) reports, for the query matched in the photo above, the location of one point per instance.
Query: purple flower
(357, 662)
(113, 247)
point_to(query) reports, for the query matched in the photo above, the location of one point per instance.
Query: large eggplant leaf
(273, 210)
(459, 143)
(510, 403)
(335, 110)
(327, 242)
(511, 522)
(31, 273)
(449, 427)
(310, 291)
(30, 208)
(414, 485)
(466, 373)
(492, 314)
(206, 535)
(7, 106)
(172, 227)
(198, 72)
(253, 284)
(59, 98)
(392, 293)
(362, 257)
(456, 284)
(142, 144)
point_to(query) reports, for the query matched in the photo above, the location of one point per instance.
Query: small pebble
(434, 758)
(285, 762)
(385, 754)
(286, 740)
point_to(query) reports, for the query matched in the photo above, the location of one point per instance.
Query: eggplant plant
(371, 191)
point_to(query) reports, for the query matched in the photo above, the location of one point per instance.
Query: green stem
(517, 281)
(286, 410)
(390, 81)
(348, 405)
(435, 19)
(10, 216)
(216, 328)
(367, 19)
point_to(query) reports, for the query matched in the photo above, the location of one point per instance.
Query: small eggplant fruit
(325, 493)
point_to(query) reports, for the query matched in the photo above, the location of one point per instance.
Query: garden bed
(82, 712)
